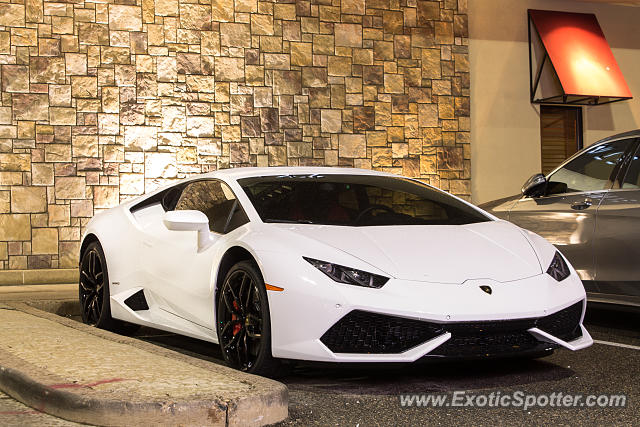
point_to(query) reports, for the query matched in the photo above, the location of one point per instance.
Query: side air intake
(137, 301)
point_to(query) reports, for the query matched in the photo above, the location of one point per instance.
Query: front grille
(364, 332)
(487, 338)
(508, 336)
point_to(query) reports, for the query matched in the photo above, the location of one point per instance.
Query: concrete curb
(266, 402)
(74, 407)
(48, 276)
(64, 308)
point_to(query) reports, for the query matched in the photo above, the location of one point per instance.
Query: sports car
(327, 264)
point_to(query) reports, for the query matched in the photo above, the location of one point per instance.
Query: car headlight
(351, 276)
(558, 269)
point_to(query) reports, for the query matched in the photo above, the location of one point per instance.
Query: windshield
(354, 200)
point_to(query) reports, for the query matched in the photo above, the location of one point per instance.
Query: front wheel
(243, 321)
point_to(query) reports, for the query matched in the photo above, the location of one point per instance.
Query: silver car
(589, 207)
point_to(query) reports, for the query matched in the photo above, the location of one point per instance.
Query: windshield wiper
(289, 221)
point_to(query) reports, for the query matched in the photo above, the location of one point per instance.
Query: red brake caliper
(237, 326)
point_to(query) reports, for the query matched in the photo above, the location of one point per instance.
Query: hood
(501, 207)
(494, 250)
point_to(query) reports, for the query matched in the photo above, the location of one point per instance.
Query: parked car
(328, 264)
(589, 208)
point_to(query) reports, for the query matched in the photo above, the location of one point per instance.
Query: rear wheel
(243, 322)
(94, 292)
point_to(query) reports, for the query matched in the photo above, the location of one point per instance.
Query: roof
(632, 133)
(246, 172)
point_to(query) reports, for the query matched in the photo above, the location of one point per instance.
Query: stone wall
(102, 102)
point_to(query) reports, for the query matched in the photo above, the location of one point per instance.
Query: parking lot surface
(350, 395)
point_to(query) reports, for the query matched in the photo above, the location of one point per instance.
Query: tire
(243, 322)
(93, 292)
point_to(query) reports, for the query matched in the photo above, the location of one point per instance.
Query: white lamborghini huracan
(327, 264)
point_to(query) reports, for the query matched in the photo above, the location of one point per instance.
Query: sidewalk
(39, 292)
(83, 374)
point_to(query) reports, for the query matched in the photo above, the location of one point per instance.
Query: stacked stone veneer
(104, 101)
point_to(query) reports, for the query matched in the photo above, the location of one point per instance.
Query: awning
(572, 49)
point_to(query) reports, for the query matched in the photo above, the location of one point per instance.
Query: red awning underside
(580, 54)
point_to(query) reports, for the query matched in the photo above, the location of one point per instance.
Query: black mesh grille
(363, 332)
(487, 338)
(137, 301)
(564, 324)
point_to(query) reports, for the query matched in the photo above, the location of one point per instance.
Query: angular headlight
(348, 275)
(558, 269)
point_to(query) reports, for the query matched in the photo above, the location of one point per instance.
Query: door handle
(578, 206)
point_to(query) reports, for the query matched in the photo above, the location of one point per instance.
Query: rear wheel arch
(104, 319)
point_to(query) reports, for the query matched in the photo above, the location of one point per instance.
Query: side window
(216, 200)
(590, 171)
(632, 178)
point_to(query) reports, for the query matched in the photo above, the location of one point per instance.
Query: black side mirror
(534, 186)
(556, 188)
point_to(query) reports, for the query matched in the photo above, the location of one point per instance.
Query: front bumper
(452, 320)
(364, 333)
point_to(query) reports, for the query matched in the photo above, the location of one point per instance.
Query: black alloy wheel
(94, 292)
(243, 321)
(93, 280)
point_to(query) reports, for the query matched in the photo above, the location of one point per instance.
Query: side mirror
(534, 186)
(556, 188)
(190, 221)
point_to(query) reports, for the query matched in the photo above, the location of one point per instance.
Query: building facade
(505, 125)
(103, 101)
